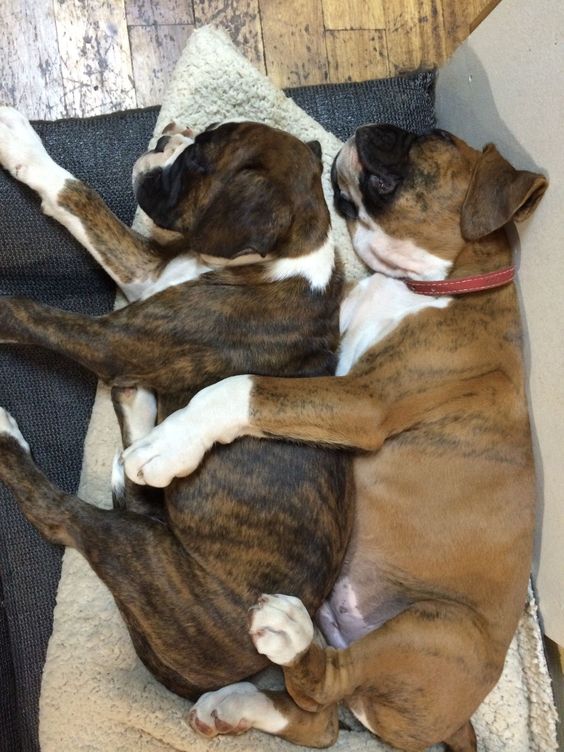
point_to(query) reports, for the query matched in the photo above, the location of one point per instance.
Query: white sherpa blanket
(96, 695)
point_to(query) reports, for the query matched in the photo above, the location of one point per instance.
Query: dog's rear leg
(411, 681)
(240, 707)
(132, 261)
(464, 740)
(49, 510)
(136, 411)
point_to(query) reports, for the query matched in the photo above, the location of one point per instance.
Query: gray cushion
(51, 397)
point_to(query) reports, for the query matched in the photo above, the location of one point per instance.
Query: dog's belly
(346, 616)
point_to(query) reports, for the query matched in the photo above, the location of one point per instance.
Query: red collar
(462, 285)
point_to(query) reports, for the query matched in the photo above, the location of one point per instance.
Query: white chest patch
(317, 266)
(180, 269)
(395, 257)
(373, 308)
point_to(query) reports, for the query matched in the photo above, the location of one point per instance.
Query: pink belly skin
(343, 618)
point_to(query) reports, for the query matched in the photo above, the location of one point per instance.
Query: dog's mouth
(170, 145)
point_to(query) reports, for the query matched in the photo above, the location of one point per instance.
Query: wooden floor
(63, 58)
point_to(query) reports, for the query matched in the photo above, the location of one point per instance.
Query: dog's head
(413, 202)
(238, 190)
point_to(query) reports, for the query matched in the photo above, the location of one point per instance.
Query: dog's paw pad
(281, 628)
(9, 427)
(234, 710)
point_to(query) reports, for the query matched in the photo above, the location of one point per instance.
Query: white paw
(21, 149)
(9, 426)
(175, 448)
(281, 628)
(168, 451)
(234, 710)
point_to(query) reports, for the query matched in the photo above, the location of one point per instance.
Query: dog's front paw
(234, 710)
(281, 628)
(21, 151)
(9, 427)
(168, 451)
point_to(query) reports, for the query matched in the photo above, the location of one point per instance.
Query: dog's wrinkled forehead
(248, 178)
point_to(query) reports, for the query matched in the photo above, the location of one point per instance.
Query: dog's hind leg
(464, 740)
(132, 261)
(136, 411)
(139, 560)
(240, 707)
(412, 681)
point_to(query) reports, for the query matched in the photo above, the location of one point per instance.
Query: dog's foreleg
(131, 260)
(136, 411)
(323, 410)
(239, 707)
(345, 411)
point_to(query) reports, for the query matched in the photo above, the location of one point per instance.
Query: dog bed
(96, 695)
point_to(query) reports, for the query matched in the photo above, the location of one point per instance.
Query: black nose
(382, 145)
(161, 143)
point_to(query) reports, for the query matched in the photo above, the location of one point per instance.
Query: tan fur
(445, 485)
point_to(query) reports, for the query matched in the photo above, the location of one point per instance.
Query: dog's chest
(373, 309)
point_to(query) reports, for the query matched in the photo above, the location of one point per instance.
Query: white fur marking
(281, 628)
(373, 309)
(240, 706)
(9, 426)
(361, 716)
(140, 413)
(175, 448)
(118, 476)
(394, 257)
(178, 270)
(317, 266)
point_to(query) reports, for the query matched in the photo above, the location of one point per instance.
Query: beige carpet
(96, 695)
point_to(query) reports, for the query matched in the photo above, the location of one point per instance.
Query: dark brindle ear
(315, 146)
(497, 194)
(250, 214)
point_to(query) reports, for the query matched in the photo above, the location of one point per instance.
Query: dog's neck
(479, 257)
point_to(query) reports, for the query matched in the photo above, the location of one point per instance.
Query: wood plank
(356, 55)
(154, 52)
(162, 12)
(482, 9)
(95, 57)
(456, 18)
(354, 14)
(30, 69)
(240, 19)
(415, 34)
(294, 42)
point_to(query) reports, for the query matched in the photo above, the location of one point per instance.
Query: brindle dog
(258, 516)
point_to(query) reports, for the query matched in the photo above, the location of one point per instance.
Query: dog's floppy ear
(497, 194)
(249, 215)
(315, 147)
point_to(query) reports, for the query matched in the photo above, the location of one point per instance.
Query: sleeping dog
(431, 387)
(248, 282)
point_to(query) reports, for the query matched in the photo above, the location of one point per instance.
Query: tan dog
(431, 388)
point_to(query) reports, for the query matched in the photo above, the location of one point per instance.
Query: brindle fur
(257, 516)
